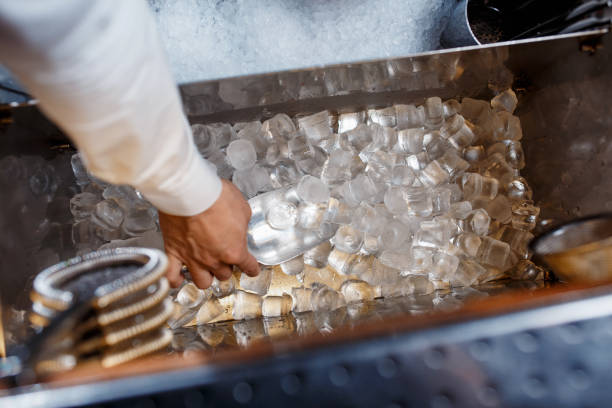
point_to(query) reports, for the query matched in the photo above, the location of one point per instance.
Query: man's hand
(211, 242)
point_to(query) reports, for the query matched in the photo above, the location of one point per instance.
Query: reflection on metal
(274, 246)
(580, 250)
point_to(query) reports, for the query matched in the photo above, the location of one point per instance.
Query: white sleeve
(98, 70)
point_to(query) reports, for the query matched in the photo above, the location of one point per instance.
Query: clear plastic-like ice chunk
(223, 288)
(137, 221)
(324, 298)
(500, 209)
(348, 239)
(505, 101)
(355, 290)
(349, 121)
(311, 216)
(241, 154)
(434, 112)
(317, 256)
(524, 215)
(474, 185)
(301, 299)
(316, 127)
(258, 284)
(493, 252)
(410, 116)
(246, 305)
(312, 190)
(478, 222)
(276, 305)
(279, 127)
(82, 205)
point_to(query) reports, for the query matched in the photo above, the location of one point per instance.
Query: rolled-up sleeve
(98, 69)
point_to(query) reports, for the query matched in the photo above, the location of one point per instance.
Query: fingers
(201, 277)
(173, 273)
(249, 265)
(223, 272)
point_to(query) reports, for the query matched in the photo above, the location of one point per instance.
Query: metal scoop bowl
(580, 250)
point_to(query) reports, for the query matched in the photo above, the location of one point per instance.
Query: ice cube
(395, 235)
(505, 101)
(526, 270)
(349, 121)
(279, 127)
(241, 154)
(204, 140)
(451, 126)
(190, 296)
(359, 137)
(367, 219)
(282, 215)
(508, 128)
(324, 298)
(394, 200)
(362, 188)
(460, 209)
(441, 200)
(467, 273)
(299, 148)
(515, 155)
(397, 259)
(284, 175)
(294, 266)
(409, 116)
(468, 243)
(474, 185)
(252, 180)
(493, 252)
(316, 127)
(410, 140)
(311, 216)
(276, 305)
(524, 215)
(497, 167)
(223, 288)
(435, 145)
(402, 175)
(82, 205)
(444, 266)
(433, 234)
(517, 239)
(210, 310)
(223, 134)
(137, 221)
(348, 239)
(418, 161)
(337, 168)
(433, 175)
(246, 305)
(383, 117)
(500, 209)
(301, 299)
(518, 190)
(463, 138)
(317, 256)
(434, 112)
(79, 170)
(451, 107)
(258, 284)
(453, 164)
(478, 222)
(355, 290)
(313, 164)
(338, 212)
(253, 132)
(107, 218)
(312, 190)
(418, 201)
(276, 153)
(474, 154)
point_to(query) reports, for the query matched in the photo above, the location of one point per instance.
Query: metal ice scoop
(272, 246)
(580, 250)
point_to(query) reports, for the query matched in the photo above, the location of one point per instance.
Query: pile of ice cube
(414, 198)
(110, 216)
(409, 199)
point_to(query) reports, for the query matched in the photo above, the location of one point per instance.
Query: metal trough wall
(549, 348)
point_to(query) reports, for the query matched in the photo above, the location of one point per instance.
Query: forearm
(103, 78)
